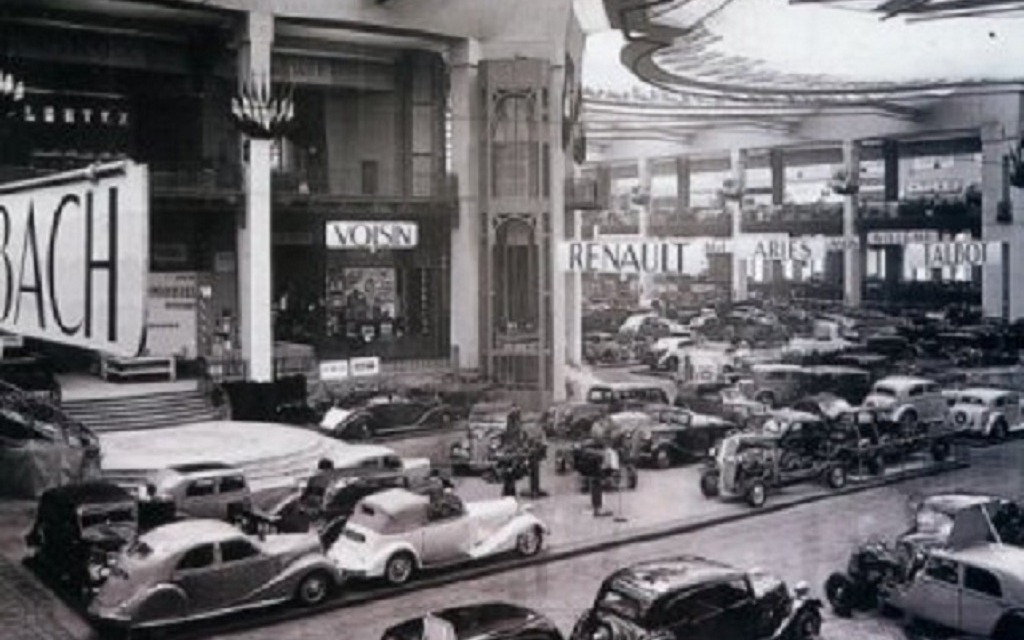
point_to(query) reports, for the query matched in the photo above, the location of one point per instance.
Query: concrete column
(777, 162)
(644, 182)
(853, 269)
(891, 173)
(682, 184)
(559, 169)
(467, 232)
(255, 278)
(999, 297)
(574, 302)
(734, 206)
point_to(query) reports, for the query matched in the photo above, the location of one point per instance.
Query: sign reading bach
(74, 257)
(372, 235)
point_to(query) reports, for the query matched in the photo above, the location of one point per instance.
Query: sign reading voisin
(74, 257)
(372, 234)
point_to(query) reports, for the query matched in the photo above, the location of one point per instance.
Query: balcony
(952, 216)
(795, 219)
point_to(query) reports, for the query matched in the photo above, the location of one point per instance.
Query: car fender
(283, 585)
(800, 605)
(379, 559)
(504, 538)
(992, 419)
(136, 607)
(900, 410)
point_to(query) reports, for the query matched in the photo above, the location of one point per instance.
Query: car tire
(709, 484)
(807, 625)
(662, 458)
(313, 589)
(399, 568)
(940, 451)
(999, 432)
(1011, 627)
(766, 398)
(836, 477)
(757, 494)
(529, 543)
(672, 364)
(908, 420)
(839, 592)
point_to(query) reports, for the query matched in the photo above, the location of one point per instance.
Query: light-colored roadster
(394, 533)
(203, 568)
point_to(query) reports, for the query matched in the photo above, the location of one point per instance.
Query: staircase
(149, 411)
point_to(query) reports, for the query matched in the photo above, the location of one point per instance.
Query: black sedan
(693, 598)
(387, 416)
(679, 435)
(488, 621)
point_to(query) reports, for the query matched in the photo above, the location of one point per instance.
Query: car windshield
(884, 391)
(622, 605)
(113, 516)
(930, 520)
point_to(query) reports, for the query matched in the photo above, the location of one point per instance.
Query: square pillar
(734, 207)
(559, 170)
(853, 268)
(777, 163)
(644, 167)
(891, 173)
(682, 184)
(255, 279)
(999, 297)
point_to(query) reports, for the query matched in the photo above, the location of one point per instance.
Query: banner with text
(74, 257)
(171, 320)
(953, 253)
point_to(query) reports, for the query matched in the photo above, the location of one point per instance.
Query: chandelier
(12, 93)
(261, 111)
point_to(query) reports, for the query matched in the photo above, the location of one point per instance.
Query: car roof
(774, 366)
(1002, 559)
(659, 577)
(950, 503)
(346, 454)
(793, 415)
(393, 501)
(903, 381)
(169, 538)
(87, 492)
(201, 467)
(488, 618)
(624, 386)
(985, 393)
(833, 368)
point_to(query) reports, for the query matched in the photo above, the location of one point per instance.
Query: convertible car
(394, 533)
(202, 568)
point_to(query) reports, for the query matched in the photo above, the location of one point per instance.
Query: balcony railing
(795, 219)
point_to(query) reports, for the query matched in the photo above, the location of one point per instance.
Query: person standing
(608, 468)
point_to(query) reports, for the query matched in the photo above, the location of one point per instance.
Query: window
(235, 550)
(200, 488)
(932, 388)
(726, 595)
(916, 391)
(369, 177)
(197, 558)
(392, 462)
(232, 484)
(982, 581)
(942, 570)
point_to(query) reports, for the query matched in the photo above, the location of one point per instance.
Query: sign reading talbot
(634, 257)
(955, 253)
(74, 257)
(372, 235)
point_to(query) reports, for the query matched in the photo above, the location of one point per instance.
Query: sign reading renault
(372, 235)
(634, 257)
(74, 257)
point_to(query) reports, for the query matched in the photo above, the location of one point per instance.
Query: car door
(736, 611)
(198, 575)
(447, 536)
(937, 407)
(687, 616)
(935, 594)
(200, 498)
(1012, 410)
(981, 601)
(244, 570)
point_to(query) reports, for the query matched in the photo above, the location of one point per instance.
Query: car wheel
(1010, 627)
(940, 451)
(662, 459)
(766, 398)
(999, 431)
(399, 568)
(838, 592)
(314, 588)
(757, 494)
(908, 421)
(709, 484)
(528, 543)
(672, 364)
(807, 625)
(836, 477)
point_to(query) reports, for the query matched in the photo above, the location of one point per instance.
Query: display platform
(271, 455)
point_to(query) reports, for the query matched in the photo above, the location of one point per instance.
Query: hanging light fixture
(262, 112)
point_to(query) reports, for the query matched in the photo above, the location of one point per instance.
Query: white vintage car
(908, 400)
(991, 413)
(394, 533)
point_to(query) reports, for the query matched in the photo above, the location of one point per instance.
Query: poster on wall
(171, 322)
(74, 257)
(369, 293)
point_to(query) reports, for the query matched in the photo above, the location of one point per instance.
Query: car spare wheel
(399, 568)
(757, 494)
(529, 542)
(709, 484)
(836, 477)
(838, 590)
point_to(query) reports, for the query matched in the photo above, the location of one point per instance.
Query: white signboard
(171, 321)
(679, 256)
(954, 253)
(372, 234)
(334, 369)
(902, 236)
(364, 366)
(74, 257)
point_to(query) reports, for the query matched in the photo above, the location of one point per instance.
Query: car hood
(110, 537)
(492, 511)
(334, 417)
(291, 545)
(879, 401)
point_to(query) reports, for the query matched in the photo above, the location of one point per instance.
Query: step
(128, 412)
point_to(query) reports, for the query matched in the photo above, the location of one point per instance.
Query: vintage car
(395, 533)
(387, 416)
(200, 490)
(599, 346)
(586, 455)
(876, 364)
(775, 384)
(977, 590)
(619, 396)
(908, 400)
(678, 435)
(849, 383)
(790, 447)
(33, 374)
(484, 621)
(690, 597)
(667, 353)
(571, 420)
(201, 568)
(479, 450)
(77, 527)
(990, 413)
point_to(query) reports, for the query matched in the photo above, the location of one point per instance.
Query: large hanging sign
(372, 235)
(953, 253)
(786, 248)
(661, 256)
(901, 237)
(74, 257)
